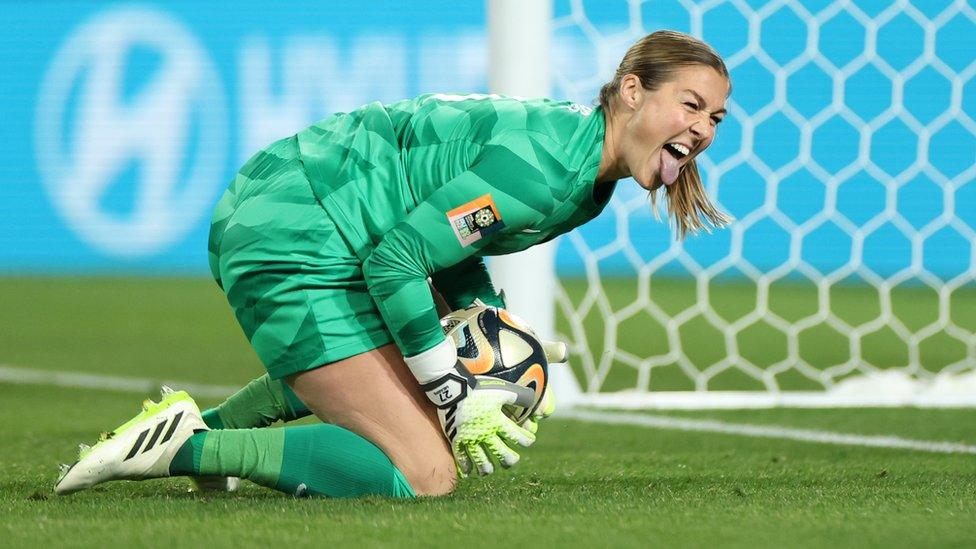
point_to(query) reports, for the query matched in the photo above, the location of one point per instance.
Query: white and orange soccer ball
(495, 343)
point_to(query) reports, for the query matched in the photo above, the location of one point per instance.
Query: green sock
(211, 417)
(313, 460)
(187, 458)
(259, 404)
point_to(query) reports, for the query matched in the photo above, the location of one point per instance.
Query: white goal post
(519, 38)
(849, 160)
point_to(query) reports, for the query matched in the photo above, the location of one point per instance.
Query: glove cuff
(433, 363)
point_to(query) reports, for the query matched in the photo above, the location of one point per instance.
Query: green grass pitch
(581, 484)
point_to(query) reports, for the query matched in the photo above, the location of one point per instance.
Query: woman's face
(670, 125)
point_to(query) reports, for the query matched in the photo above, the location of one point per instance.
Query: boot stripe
(155, 436)
(135, 447)
(172, 427)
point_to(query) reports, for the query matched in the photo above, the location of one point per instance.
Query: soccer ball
(495, 343)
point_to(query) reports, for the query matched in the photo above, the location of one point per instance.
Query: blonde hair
(654, 59)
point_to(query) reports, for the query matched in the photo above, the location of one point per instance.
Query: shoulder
(442, 117)
(559, 119)
(554, 125)
(558, 130)
(489, 115)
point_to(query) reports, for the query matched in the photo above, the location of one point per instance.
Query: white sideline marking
(25, 376)
(78, 380)
(765, 431)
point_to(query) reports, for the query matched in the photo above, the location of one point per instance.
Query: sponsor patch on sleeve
(474, 220)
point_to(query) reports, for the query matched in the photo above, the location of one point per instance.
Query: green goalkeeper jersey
(426, 187)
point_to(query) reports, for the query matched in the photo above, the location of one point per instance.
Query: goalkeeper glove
(470, 409)
(556, 352)
(544, 410)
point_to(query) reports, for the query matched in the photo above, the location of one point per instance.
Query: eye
(691, 105)
(717, 120)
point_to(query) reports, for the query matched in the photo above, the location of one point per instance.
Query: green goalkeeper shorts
(295, 284)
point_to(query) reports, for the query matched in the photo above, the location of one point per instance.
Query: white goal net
(848, 159)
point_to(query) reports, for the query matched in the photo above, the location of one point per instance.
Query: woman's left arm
(501, 190)
(460, 285)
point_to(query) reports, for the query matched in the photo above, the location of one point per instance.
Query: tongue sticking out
(669, 167)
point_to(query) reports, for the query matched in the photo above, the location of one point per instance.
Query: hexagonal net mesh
(848, 159)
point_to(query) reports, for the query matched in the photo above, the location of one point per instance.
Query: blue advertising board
(124, 122)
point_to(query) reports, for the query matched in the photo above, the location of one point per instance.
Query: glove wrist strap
(446, 391)
(433, 363)
(445, 381)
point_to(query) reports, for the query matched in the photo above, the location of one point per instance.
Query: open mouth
(677, 150)
(671, 155)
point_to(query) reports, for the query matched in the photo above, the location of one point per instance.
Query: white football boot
(141, 448)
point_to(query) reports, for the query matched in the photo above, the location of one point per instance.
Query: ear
(631, 91)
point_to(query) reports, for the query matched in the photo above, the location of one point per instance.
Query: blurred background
(848, 159)
(125, 121)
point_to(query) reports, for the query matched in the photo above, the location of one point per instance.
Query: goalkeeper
(324, 244)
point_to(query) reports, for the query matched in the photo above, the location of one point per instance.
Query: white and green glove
(556, 352)
(544, 410)
(470, 409)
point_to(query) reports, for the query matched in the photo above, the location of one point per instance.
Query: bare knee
(374, 395)
(431, 477)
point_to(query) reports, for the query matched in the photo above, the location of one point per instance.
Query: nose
(702, 129)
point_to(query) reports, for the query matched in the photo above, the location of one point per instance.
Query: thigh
(295, 284)
(374, 395)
